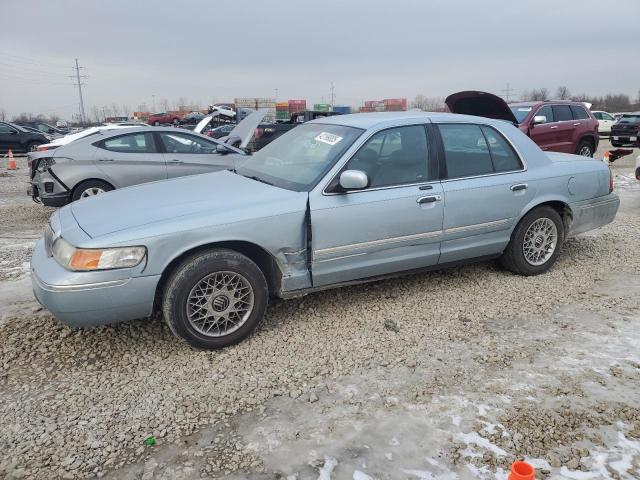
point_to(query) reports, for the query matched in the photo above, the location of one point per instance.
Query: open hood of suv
(480, 104)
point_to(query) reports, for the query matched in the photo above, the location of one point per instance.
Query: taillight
(610, 181)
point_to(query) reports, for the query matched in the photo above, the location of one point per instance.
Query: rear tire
(532, 249)
(215, 299)
(90, 188)
(585, 149)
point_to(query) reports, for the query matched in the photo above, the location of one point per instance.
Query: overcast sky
(371, 49)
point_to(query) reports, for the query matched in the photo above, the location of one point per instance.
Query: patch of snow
(325, 471)
(456, 419)
(475, 438)
(394, 442)
(358, 475)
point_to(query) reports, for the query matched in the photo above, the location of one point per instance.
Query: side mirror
(538, 119)
(353, 180)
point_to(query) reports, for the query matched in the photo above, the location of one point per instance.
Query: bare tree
(126, 110)
(3, 114)
(164, 105)
(428, 104)
(97, 115)
(182, 103)
(115, 109)
(536, 95)
(563, 93)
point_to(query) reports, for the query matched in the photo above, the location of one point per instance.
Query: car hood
(224, 197)
(480, 104)
(243, 130)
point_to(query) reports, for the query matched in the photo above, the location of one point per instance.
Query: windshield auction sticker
(328, 138)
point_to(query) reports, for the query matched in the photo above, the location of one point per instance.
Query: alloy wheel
(220, 303)
(90, 192)
(540, 241)
(585, 151)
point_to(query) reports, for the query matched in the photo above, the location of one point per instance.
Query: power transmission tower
(507, 92)
(333, 95)
(79, 84)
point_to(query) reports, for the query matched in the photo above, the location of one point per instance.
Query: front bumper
(88, 299)
(593, 213)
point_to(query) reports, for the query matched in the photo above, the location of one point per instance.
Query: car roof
(382, 119)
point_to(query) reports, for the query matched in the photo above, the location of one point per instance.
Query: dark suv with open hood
(557, 126)
(626, 131)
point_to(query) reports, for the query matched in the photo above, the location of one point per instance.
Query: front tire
(90, 188)
(535, 243)
(215, 299)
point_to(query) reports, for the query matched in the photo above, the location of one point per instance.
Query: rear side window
(562, 113)
(503, 155)
(546, 111)
(579, 113)
(132, 143)
(466, 150)
(4, 128)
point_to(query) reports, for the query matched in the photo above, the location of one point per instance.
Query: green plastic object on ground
(150, 440)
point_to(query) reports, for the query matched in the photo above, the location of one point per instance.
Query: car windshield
(298, 159)
(635, 118)
(520, 112)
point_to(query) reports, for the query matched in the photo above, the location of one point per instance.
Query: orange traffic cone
(605, 157)
(522, 471)
(11, 165)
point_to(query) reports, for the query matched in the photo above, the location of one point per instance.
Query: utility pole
(507, 92)
(333, 95)
(79, 84)
(276, 92)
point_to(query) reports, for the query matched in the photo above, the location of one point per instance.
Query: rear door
(188, 154)
(130, 159)
(566, 128)
(485, 187)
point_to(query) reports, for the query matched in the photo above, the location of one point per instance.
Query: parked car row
(20, 139)
(334, 201)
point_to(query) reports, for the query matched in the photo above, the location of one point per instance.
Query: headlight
(80, 259)
(45, 163)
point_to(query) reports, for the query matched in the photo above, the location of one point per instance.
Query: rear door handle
(576, 124)
(429, 199)
(519, 186)
(175, 161)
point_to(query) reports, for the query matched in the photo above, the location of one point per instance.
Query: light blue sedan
(335, 201)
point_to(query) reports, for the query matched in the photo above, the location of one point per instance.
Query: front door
(545, 134)
(485, 189)
(187, 154)
(9, 137)
(130, 159)
(394, 224)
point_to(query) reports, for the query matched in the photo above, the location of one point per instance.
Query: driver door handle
(519, 186)
(429, 199)
(555, 126)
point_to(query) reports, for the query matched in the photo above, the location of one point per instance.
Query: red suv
(163, 118)
(557, 126)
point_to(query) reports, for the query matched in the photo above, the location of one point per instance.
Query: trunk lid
(480, 104)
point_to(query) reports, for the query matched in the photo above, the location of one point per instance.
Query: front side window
(184, 143)
(520, 112)
(579, 113)
(397, 156)
(132, 143)
(562, 113)
(466, 150)
(598, 115)
(546, 111)
(606, 116)
(299, 158)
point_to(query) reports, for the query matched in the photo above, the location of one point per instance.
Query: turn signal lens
(83, 260)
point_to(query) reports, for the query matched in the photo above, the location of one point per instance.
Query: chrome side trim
(477, 226)
(74, 288)
(340, 257)
(375, 243)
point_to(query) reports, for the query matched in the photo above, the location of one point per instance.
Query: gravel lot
(449, 374)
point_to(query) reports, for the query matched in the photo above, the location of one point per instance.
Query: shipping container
(297, 106)
(322, 107)
(343, 109)
(282, 115)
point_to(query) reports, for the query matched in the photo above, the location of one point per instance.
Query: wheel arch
(265, 261)
(559, 205)
(97, 179)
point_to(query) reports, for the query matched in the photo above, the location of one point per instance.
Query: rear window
(630, 119)
(132, 143)
(466, 150)
(579, 113)
(562, 113)
(502, 154)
